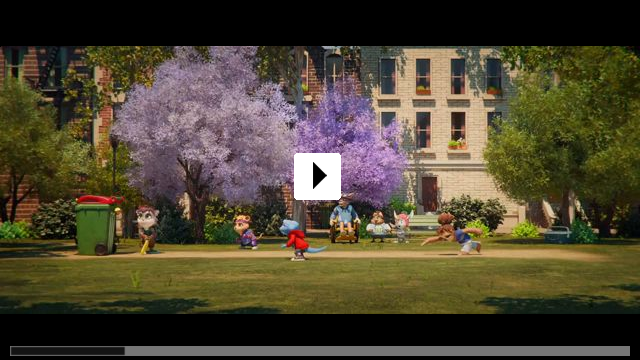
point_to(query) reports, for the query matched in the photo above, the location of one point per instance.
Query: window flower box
(421, 90)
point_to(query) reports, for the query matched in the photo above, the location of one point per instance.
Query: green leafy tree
(574, 131)
(33, 152)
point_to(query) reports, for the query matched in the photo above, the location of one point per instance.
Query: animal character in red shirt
(296, 240)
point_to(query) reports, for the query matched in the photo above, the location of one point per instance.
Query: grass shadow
(520, 241)
(567, 304)
(34, 249)
(138, 306)
(627, 287)
(244, 310)
(31, 254)
(540, 241)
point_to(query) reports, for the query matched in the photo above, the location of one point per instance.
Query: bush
(581, 233)
(399, 206)
(525, 229)
(629, 226)
(627, 222)
(17, 230)
(266, 215)
(466, 209)
(220, 212)
(362, 231)
(492, 213)
(173, 228)
(56, 220)
(478, 224)
(222, 234)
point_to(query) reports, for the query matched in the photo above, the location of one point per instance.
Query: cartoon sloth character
(147, 227)
(377, 227)
(247, 239)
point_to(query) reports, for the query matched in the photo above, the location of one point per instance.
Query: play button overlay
(317, 176)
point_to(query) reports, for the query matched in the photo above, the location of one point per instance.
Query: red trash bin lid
(94, 199)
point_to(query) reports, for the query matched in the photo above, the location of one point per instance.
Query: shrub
(492, 213)
(627, 222)
(479, 225)
(56, 220)
(173, 228)
(362, 231)
(266, 215)
(581, 233)
(525, 229)
(222, 234)
(399, 206)
(17, 230)
(629, 226)
(220, 212)
(466, 209)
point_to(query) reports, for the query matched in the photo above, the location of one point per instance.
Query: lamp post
(114, 145)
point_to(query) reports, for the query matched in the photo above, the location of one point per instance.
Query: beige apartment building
(440, 94)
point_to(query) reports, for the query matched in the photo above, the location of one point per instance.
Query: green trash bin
(96, 224)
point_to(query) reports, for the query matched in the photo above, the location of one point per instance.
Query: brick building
(43, 68)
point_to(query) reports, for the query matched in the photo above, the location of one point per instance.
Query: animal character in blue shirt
(446, 232)
(344, 214)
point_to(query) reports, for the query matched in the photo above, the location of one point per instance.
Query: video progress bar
(67, 350)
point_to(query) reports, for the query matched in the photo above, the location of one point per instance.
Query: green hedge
(56, 220)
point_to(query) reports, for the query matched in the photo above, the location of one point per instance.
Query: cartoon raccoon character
(147, 226)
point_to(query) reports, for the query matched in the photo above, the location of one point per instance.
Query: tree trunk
(604, 226)
(4, 216)
(199, 213)
(299, 206)
(565, 209)
(15, 184)
(299, 94)
(300, 213)
(128, 223)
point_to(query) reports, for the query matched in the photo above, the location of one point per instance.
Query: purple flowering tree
(207, 127)
(344, 122)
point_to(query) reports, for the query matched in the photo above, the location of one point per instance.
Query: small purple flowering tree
(344, 122)
(207, 127)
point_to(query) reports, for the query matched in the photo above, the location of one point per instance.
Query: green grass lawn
(321, 285)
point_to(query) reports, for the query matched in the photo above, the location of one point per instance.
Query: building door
(430, 194)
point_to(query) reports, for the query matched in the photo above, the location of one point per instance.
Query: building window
(387, 76)
(65, 113)
(494, 77)
(386, 118)
(492, 122)
(423, 130)
(58, 70)
(334, 66)
(457, 76)
(304, 73)
(423, 77)
(14, 61)
(458, 126)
